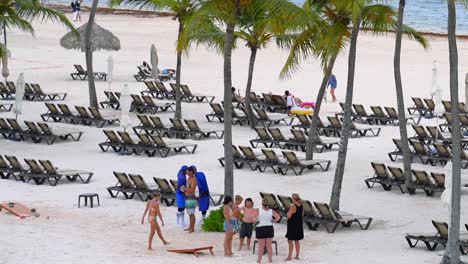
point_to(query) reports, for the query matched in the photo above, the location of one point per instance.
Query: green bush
(214, 222)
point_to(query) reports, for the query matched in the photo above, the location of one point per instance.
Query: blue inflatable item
(204, 192)
(181, 181)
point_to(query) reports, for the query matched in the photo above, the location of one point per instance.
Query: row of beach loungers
(433, 154)
(427, 106)
(39, 172)
(449, 121)
(32, 92)
(431, 134)
(153, 125)
(389, 177)
(268, 101)
(83, 116)
(269, 159)
(37, 132)
(146, 104)
(82, 74)
(159, 91)
(144, 72)
(317, 214)
(122, 142)
(130, 185)
(378, 116)
(273, 137)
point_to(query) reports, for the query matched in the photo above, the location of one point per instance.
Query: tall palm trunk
(228, 158)
(400, 96)
(248, 107)
(318, 103)
(178, 111)
(89, 56)
(452, 253)
(340, 165)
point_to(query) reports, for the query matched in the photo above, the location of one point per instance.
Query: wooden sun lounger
(82, 74)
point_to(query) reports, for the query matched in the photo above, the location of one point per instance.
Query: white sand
(112, 232)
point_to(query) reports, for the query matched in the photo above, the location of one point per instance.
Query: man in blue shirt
(332, 83)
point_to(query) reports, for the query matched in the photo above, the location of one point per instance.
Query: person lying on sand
(153, 207)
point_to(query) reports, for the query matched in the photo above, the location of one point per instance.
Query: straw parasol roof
(101, 39)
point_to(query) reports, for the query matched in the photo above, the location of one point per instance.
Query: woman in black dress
(295, 231)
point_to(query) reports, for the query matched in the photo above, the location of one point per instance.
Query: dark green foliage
(214, 222)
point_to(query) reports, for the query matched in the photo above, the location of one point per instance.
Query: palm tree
(452, 254)
(19, 14)
(182, 10)
(89, 56)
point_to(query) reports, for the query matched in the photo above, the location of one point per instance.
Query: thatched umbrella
(91, 38)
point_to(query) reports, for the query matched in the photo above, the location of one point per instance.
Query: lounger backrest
(360, 110)
(442, 150)
(14, 124)
(261, 114)
(177, 124)
(32, 127)
(11, 86)
(148, 100)
(185, 89)
(79, 69)
(262, 133)
(161, 87)
(397, 173)
(439, 179)
(150, 86)
(421, 177)
(173, 184)
(271, 200)
(325, 211)
(418, 102)
(391, 111)
(159, 141)
(52, 108)
(464, 119)
(157, 122)
(335, 122)
(217, 108)
(4, 125)
(33, 166)
(14, 163)
(126, 138)
(164, 185)
(3, 163)
(309, 209)
(398, 144)
(279, 100)
(435, 132)
(65, 109)
(82, 112)
(3, 88)
(113, 98)
(442, 229)
(268, 99)
(418, 147)
(299, 135)
(304, 120)
(137, 100)
(45, 128)
(285, 201)
(380, 170)
(291, 158)
(49, 167)
(192, 125)
(28, 89)
(276, 133)
(270, 155)
(430, 103)
(253, 97)
(37, 88)
(95, 113)
(461, 107)
(145, 121)
(139, 182)
(111, 136)
(145, 140)
(123, 179)
(378, 111)
(420, 131)
(235, 152)
(447, 106)
(248, 153)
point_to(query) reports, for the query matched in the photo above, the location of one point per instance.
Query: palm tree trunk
(318, 103)
(89, 56)
(248, 107)
(340, 165)
(400, 97)
(228, 158)
(452, 253)
(178, 111)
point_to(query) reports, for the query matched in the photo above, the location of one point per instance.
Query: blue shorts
(233, 225)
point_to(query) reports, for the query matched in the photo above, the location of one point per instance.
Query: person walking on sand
(295, 228)
(154, 212)
(78, 9)
(204, 193)
(190, 199)
(73, 6)
(264, 232)
(332, 83)
(180, 195)
(248, 222)
(237, 212)
(229, 223)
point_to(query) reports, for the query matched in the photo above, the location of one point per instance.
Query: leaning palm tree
(182, 10)
(452, 253)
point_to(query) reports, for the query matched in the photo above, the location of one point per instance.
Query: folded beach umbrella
(446, 196)
(19, 95)
(154, 62)
(125, 104)
(435, 82)
(110, 70)
(5, 71)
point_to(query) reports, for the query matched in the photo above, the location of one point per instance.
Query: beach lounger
(143, 191)
(123, 185)
(355, 131)
(444, 155)
(5, 130)
(151, 125)
(146, 104)
(421, 152)
(273, 203)
(142, 75)
(168, 194)
(267, 121)
(298, 166)
(112, 100)
(271, 161)
(381, 176)
(238, 160)
(437, 136)
(40, 95)
(112, 141)
(50, 135)
(82, 74)
(103, 120)
(393, 114)
(52, 113)
(5, 93)
(218, 112)
(449, 120)
(335, 218)
(263, 137)
(250, 158)
(198, 97)
(300, 142)
(198, 133)
(399, 150)
(418, 107)
(68, 115)
(421, 134)
(448, 106)
(362, 115)
(153, 90)
(278, 136)
(70, 174)
(166, 148)
(423, 181)
(15, 168)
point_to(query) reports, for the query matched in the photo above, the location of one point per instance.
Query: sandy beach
(112, 233)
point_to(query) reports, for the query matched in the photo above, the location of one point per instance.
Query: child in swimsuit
(154, 212)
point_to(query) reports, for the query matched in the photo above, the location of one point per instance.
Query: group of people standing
(244, 219)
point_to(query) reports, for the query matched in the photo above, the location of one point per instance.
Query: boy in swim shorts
(190, 198)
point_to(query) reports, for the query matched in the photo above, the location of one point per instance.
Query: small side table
(91, 198)
(265, 251)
